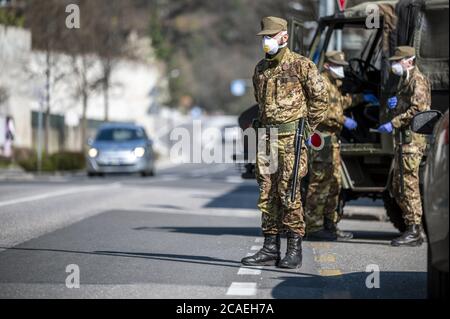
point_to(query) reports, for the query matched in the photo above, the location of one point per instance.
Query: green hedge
(62, 161)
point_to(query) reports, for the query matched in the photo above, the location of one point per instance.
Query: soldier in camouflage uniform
(413, 96)
(288, 87)
(325, 171)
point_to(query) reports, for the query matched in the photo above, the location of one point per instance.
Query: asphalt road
(181, 234)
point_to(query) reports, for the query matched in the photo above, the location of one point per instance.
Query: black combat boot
(269, 255)
(321, 235)
(293, 258)
(332, 227)
(411, 237)
(423, 233)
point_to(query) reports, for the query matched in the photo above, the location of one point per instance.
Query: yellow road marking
(330, 272)
(321, 245)
(326, 258)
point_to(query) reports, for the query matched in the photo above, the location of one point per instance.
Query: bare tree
(111, 32)
(85, 83)
(45, 19)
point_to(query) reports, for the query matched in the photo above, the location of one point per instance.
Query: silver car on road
(120, 148)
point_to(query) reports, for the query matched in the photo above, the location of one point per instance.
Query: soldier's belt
(282, 128)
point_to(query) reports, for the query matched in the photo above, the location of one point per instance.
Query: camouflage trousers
(410, 201)
(324, 187)
(278, 212)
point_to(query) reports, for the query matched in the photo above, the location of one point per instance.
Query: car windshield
(120, 135)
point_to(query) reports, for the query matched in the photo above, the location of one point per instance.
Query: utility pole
(39, 133)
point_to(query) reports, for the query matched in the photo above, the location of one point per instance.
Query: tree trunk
(84, 122)
(106, 97)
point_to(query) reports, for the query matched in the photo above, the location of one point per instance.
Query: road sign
(341, 4)
(317, 142)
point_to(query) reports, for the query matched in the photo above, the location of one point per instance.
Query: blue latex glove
(350, 124)
(308, 142)
(392, 102)
(386, 128)
(372, 99)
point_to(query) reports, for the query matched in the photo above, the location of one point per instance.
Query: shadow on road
(210, 231)
(392, 284)
(242, 197)
(191, 259)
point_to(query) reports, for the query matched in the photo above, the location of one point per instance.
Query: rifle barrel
(298, 153)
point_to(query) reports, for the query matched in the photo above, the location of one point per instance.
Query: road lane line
(326, 258)
(57, 194)
(320, 245)
(330, 272)
(259, 240)
(250, 270)
(242, 289)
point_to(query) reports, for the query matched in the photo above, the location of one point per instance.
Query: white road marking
(250, 270)
(57, 194)
(242, 289)
(259, 240)
(256, 248)
(234, 180)
(169, 178)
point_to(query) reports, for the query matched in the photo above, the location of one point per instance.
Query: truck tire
(438, 281)
(394, 212)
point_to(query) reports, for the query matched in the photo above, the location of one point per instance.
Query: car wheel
(147, 174)
(394, 212)
(91, 174)
(438, 281)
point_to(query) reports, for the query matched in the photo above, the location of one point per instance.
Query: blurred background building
(147, 62)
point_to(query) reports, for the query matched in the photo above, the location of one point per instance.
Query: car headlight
(93, 152)
(139, 151)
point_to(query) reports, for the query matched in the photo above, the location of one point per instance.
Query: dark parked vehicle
(435, 193)
(120, 148)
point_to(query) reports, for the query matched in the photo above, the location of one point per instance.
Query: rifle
(400, 162)
(298, 154)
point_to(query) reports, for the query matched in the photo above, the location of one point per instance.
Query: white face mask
(397, 67)
(337, 72)
(271, 46)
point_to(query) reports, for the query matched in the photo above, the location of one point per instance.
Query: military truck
(368, 41)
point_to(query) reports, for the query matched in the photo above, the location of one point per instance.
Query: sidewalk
(18, 174)
(14, 173)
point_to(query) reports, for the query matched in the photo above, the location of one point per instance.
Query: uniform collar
(409, 75)
(276, 59)
(333, 80)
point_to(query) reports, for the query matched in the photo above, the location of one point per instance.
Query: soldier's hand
(350, 123)
(386, 128)
(372, 99)
(392, 102)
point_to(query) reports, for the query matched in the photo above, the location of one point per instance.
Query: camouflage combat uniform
(414, 96)
(325, 170)
(287, 88)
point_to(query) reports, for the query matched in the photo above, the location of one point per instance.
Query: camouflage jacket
(289, 88)
(338, 102)
(414, 96)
